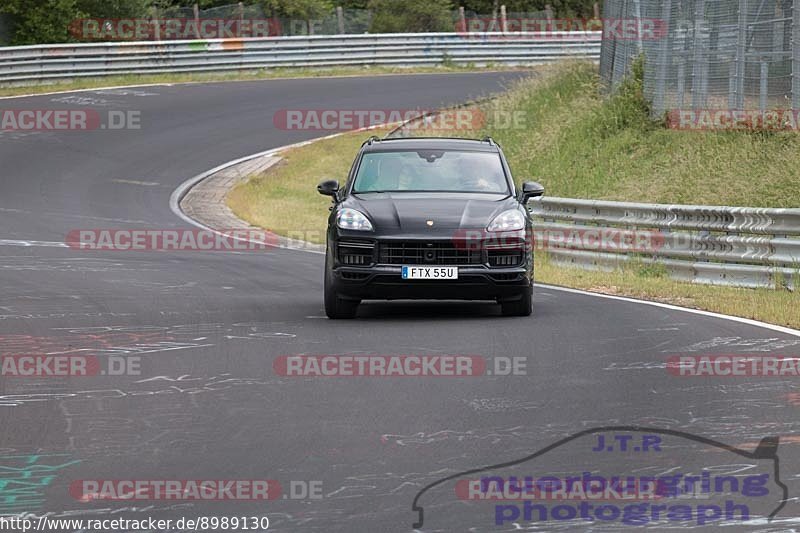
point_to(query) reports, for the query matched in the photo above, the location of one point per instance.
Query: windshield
(431, 171)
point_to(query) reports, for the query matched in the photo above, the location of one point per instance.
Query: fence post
(741, 51)
(664, 59)
(548, 13)
(796, 55)
(700, 63)
(732, 84)
(637, 14)
(607, 56)
(197, 21)
(241, 20)
(462, 19)
(503, 19)
(681, 82)
(596, 10)
(762, 94)
(156, 24)
(340, 19)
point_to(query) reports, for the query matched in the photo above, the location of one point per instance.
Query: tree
(44, 21)
(307, 10)
(561, 8)
(49, 21)
(410, 16)
(113, 9)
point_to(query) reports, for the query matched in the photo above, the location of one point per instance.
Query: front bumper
(378, 275)
(384, 282)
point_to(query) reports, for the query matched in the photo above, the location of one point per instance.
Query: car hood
(409, 213)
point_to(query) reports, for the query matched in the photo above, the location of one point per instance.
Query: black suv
(429, 218)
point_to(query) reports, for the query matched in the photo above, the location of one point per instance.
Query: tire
(521, 307)
(336, 307)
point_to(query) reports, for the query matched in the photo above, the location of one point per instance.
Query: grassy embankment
(581, 145)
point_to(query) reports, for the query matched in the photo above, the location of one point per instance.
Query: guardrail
(39, 63)
(739, 246)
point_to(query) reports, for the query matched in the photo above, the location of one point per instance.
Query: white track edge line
(748, 321)
(182, 189)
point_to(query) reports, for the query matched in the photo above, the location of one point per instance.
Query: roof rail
(488, 139)
(371, 140)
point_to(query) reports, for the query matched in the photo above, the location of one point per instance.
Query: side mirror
(328, 187)
(531, 189)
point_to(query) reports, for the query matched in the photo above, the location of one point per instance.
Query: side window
(351, 176)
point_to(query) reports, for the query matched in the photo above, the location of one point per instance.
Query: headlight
(510, 220)
(352, 219)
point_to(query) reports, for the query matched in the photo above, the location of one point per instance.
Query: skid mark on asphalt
(159, 423)
(126, 92)
(38, 264)
(96, 343)
(86, 101)
(44, 244)
(50, 316)
(753, 345)
(94, 427)
(492, 436)
(665, 327)
(386, 484)
(127, 341)
(189, 285)
(192, 332)
(84, 512)
(12, 135)
(136, 182)
(637, 365)
(494, 405)
(214, 385)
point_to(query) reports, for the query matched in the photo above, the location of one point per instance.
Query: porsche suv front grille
(427, 253)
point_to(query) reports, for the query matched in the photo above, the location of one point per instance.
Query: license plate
(417, 272)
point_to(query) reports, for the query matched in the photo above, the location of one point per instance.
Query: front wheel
(521, 307)
(336, 307)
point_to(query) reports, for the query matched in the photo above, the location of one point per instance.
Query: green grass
(582, 145)
(579, 144)
(263, 74)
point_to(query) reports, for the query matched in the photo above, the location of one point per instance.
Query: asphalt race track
(208, 326)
